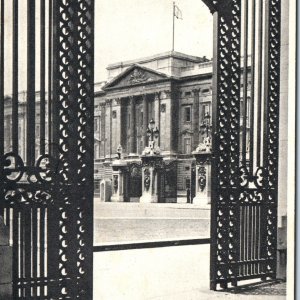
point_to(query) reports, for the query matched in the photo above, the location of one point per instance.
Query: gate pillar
(151, 165)
(203, 175)
(119, 179)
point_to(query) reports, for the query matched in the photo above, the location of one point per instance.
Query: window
(163, 108)
(95, 124)
(141, 118)
(96, 187)
(205, 110)
(187, 145)
(187, 114)
(96, 151)
(187, 183)
(114, 114)
(188, 94)
(37, 131)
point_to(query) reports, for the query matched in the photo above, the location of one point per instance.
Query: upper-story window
(141, 118)
(95, 124)
(205, 110)
(187, 114)
(187, 145)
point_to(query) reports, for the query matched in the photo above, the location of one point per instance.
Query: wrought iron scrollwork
(147, 179)
(259, 179)
(202, 178)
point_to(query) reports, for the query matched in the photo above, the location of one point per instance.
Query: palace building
(173, 89)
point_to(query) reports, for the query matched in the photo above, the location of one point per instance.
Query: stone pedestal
(105, 190)
(5, 263)
(203, 179)
(118, 180)
(151, 164)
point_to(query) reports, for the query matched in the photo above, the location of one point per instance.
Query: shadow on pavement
(274, 287)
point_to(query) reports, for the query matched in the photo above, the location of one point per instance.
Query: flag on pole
(177, 12)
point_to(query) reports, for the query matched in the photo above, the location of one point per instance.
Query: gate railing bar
(15, 66)
(215, 147)
(253, 41)
(266, 86)
(16, 238)
(1, 82)
(34, 249)
(259, 82)
(245, 81)
(50, 79)
(27, 247)
(42, 77)
(155, 244)
(42, 242)
(30, 83)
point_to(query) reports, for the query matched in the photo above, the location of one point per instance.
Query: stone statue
(205, 146)
(119, 152)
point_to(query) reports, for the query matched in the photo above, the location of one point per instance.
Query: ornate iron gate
(245, 140)
(167, 187)
(47, 190)
(135, 180)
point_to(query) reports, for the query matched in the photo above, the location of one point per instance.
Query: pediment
(135, 75)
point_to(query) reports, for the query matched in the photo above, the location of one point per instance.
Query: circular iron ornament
(260, 177)
(244, 176)
(45, 164)
(13, 167)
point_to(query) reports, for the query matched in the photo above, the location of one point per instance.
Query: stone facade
(173, 89)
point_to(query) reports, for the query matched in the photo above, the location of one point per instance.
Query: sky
(131, 29)
(124, 30)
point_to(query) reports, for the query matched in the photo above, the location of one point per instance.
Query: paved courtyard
(171, 273)
(136, 222)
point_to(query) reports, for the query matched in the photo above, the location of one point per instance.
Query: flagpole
(173, 26)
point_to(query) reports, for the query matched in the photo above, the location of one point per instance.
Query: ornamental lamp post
(152, 133)
(205, 127)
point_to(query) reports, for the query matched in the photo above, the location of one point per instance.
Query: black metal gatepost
(245, 140)
(47, 193)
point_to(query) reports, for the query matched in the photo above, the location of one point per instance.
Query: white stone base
(116, 198)
(202, 201)
(181, 199)
(148, 198)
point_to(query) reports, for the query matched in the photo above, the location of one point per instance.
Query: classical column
(145, 119)
(108, 127)
(174, 117)
(102, 130)
(132, 125)
(116, 125)
(196, 117)
(157, 112)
